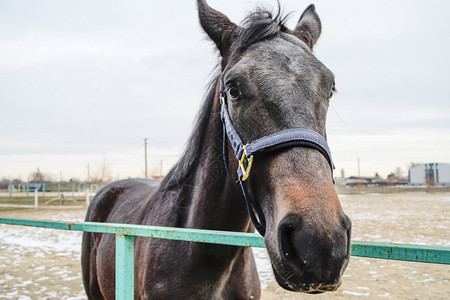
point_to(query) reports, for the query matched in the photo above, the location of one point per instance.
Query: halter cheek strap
(294, 137)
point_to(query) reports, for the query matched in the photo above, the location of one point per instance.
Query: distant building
(430, 174)
(374, 181)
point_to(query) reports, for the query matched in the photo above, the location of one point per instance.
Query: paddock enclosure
(40, 263)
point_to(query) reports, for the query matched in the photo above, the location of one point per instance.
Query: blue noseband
(294, 137)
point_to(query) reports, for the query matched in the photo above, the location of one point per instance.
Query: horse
(271, 92)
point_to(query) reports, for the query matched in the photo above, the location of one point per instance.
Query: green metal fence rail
(125, 234)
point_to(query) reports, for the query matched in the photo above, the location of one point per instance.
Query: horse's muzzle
(312, 258)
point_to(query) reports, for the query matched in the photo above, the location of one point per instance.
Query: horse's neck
(198, 193)
(216, 201)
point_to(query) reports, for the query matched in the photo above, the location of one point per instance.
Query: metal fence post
(124, 266)
(36, 198)
(43, 189)
(10, 189)
(87, 195)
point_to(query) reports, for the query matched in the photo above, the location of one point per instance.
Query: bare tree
(38, 177)
(413, 164)
(398, 172)
(103, 174)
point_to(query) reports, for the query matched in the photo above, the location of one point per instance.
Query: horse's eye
(234, 92)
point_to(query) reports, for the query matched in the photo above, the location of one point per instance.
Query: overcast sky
(82, 82)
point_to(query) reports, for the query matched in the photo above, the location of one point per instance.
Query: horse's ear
(218, 27)
(308, 27)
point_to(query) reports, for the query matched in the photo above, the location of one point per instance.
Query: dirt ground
(45, 264)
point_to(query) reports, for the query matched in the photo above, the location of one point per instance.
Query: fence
(54, 192)
(125, 234)
(56, 188)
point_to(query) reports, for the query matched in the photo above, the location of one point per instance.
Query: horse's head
(272, 82)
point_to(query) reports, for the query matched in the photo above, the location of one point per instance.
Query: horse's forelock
(257, 26)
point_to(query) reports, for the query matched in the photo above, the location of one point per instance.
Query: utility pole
(145, 143)
(160, 169)
(359, 173)
(88, 179)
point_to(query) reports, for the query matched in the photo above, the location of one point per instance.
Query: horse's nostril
(349, 242)
(288, 229)
(287, 248)
(346, 223)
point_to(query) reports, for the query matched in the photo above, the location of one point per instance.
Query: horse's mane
(257, 26)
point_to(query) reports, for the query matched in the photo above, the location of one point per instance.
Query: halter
(294, 137)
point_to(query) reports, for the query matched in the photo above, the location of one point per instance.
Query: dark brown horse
(270, 83)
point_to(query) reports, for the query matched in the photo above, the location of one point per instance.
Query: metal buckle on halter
(245, 172)
(223, 101)
(222, 97)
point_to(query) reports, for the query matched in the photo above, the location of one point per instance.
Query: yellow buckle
(245, 172)
(224, 103)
